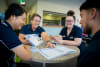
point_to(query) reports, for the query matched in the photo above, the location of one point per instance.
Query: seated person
(9, 41)
(71, 34)
(34, 28)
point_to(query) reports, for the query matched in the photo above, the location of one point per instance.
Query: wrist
(62, 41)
(48, 41)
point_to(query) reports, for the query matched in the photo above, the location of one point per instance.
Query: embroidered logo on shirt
(71, 37)
(63, 36)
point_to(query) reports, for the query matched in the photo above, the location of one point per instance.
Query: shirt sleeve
(78, 33)
(62, 32)
(22, 31)
(9, 38)
(40, 29)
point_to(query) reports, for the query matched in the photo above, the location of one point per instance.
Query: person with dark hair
(34, 28)
(90, 20)
(0, 21)
(9, 41)
(71, 34)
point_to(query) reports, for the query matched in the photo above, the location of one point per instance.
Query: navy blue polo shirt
(90, 56)
(8, 41)
(75, 33)
(27, 29)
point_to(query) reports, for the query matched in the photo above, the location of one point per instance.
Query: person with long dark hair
(70, 34)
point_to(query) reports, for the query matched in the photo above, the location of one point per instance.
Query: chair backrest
(6, 55)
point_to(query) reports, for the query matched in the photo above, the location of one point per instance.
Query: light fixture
(50, 14)
(22, 2)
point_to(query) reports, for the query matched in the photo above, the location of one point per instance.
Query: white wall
(3, 5)
(31, 11)
(61, 6)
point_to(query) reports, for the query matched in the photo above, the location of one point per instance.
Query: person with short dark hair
(9, 41)
(90, 20)
(34, 28)
(0, 21)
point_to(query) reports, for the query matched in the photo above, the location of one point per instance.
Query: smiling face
(35, 22)
(18, 21)
(69, 21)
(85, 21)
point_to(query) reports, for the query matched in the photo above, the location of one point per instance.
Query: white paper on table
(65, 49)
(34, 49)
(34, 39)
(51, 53)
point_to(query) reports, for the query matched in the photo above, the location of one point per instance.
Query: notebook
(34, 39)
(59, 50)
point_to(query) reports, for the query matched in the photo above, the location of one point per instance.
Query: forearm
(45, 37)
(27, 47)
(71, 43)
(23, 39)
(22, 53)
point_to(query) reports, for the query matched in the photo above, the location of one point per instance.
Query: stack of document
(34, 49)
(34, 39)
(59, 50)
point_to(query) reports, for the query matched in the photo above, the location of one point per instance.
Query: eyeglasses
(69, 20)
(37, 20)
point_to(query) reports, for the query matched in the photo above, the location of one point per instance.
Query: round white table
(69, 60)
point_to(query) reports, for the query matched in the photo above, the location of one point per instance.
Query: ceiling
(30, 3)
(53, 13)
(66, 2)
(27, 6)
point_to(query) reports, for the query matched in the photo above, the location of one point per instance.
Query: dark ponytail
(71, 13)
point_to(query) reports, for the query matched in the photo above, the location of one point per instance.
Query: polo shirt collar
(96, 36)
(71, 30)
(7, 24)
(31, 27)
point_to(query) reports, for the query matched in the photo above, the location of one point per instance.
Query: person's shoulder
(39, 27)
(64, 28)
(77, 27)
(27, 26)
(2, 26)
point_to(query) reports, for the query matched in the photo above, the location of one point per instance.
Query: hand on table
(49, 44)
(26, 42)
(59, 41)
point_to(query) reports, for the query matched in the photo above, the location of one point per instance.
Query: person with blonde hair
(34, 28)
